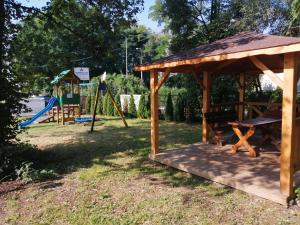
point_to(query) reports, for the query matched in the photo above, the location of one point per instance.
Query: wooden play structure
(243, 56)
(66, 90)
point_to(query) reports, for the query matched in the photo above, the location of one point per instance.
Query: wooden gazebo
(245, 54)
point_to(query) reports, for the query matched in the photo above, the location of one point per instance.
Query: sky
(142, 17)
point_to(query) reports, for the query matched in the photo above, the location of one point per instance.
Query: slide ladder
(49, 106)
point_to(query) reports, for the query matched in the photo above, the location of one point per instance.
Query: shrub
(179, 109)
(142, 108)
(125, 106)
(100, 105)
(88, 104)
(118, 102)
(104, 105)
(131, 107)
(148, 106)
(109, 106)
(169, 108)
(92, 104)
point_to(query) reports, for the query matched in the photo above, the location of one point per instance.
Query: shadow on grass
(104, 145)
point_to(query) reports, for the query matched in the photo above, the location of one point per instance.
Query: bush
(118, 102)
(179, 109)
(88, 104)
(104, 105)
(100, 105)
(142, 108)
(169, 108)
(92, 104)
(109, 106)
(125, 106)
(131, 107)
(28, 173)
(148, 106)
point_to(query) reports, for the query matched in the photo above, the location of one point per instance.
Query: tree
(179, 109)
(169, 108)
(88, 105)
(200, 22)
(131, 107)
(72, 33)
(118, 102)
(10, 83)
(92, 104)
(100, 105)
(125, 106)
(109, 106)
(142, 108)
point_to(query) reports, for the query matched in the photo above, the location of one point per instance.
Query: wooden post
(57, 111)
(205, 105)
(288, 124)
(95, 106)
(241, 96)
(63, 114)
(154, 113)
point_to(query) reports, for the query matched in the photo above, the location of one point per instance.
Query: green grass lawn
(105, 177)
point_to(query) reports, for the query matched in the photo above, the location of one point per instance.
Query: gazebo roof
(235, 47)
(62, 75)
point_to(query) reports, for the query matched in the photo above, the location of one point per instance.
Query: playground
(104, 180)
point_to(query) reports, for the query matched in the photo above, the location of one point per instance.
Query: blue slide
(51, 103)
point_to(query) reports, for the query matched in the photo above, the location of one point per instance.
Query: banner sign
(82, 73)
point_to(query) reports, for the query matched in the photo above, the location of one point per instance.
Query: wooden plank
(241, 96)
(163, 79)
(221, 57)
(154, 113)
(259, 64)
(205, 105)
(223, 65)
(288, 125)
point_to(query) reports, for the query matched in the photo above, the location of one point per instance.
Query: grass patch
(105, 177)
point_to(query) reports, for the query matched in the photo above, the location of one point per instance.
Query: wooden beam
(163, 79)
(205, 105)
(288, 125)
(241, 96)
(223, 65)
(259, 64)
(154, 113)
(95, 106)
(221, 57)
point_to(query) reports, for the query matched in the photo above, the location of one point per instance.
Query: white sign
(82, 73)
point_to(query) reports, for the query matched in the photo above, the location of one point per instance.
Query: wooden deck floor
(258, 176)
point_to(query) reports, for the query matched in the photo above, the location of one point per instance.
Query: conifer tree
(100, 105)
(142, 108)
(87, 104)
(131, 107)
(118, 102)
(109, 106)
(179, 109)
(169, 108)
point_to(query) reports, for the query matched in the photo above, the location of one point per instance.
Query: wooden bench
(218, 123)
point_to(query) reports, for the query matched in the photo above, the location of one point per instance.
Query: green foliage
(72, 30)
(132, 107)
(104, 109)
(28, 173)
(224, 90)
(118, 102)
(125, 106)
(276, 95)
(88, 105)
(142, 108)
(92, 104)
(169, 111)
(109, 106)
(119, 83)
(297, 192)
(199, 22)
(100, 105)
(179, 109)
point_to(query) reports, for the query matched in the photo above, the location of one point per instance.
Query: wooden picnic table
(262, 122)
